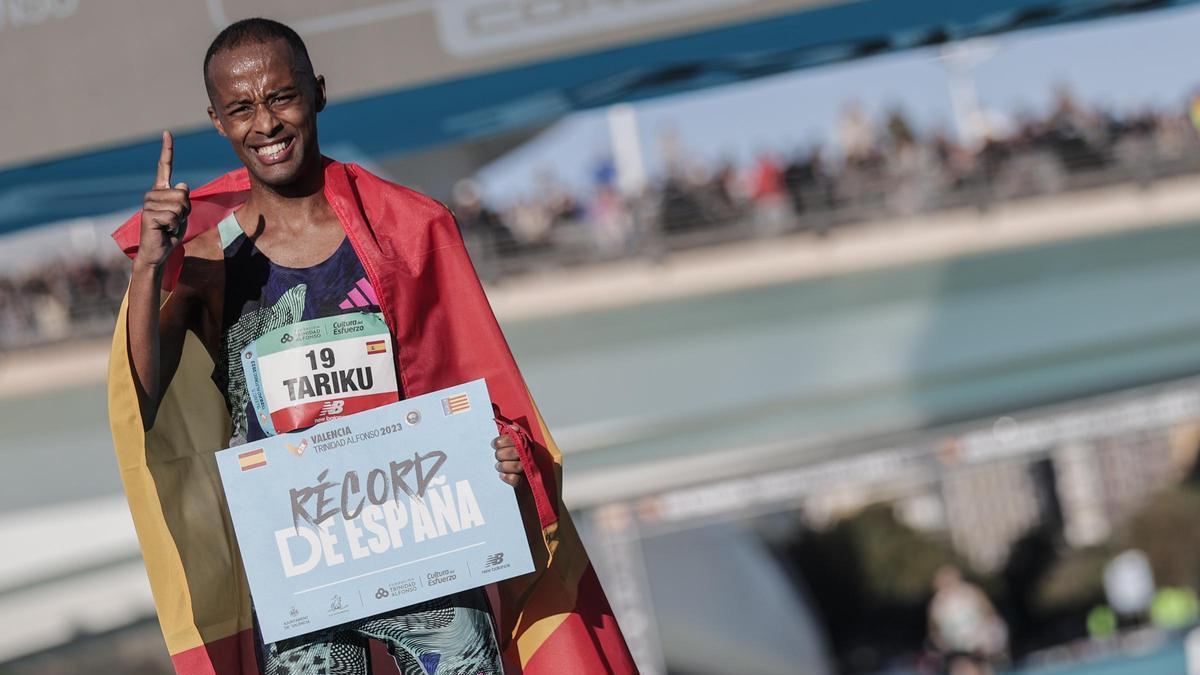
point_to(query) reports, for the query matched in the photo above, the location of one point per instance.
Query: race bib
(318, 370)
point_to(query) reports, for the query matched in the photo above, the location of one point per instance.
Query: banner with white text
(372, 512)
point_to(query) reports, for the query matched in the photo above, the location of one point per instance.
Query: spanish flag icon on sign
(376, 347)
(252, 459)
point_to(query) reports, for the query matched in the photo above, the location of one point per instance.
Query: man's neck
(292, 207)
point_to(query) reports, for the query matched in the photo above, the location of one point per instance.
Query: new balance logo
(495, 559)
(330, 408)
(362, 295)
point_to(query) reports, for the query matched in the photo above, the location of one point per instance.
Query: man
(295, 237)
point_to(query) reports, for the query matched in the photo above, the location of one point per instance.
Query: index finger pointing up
(163, 179)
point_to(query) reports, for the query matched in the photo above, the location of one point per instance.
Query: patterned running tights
(448, 636)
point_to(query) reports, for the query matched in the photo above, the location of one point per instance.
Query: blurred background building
(824, 300)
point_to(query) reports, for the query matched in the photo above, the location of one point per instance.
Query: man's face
(266, 103)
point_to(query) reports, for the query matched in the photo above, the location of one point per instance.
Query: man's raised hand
(164, 212)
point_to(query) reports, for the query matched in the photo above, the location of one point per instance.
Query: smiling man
(291, 238)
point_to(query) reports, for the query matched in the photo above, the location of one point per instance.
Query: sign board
(373, 512)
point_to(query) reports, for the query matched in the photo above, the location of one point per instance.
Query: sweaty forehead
(253, 68)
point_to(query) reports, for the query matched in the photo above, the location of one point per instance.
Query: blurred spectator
(611, 222)
(70, 299)
(772, 207)
(856, 134)
(964, 626)
(483, 233)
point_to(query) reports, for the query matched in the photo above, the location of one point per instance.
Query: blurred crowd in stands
(873, 169)
(73, 298)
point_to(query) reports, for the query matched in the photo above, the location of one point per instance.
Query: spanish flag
(551, 622)
(253, 459)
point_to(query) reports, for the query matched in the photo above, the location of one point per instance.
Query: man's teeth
(271, 149)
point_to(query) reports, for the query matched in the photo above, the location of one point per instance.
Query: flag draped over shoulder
(555, 620)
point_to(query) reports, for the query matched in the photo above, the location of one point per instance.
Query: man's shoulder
(203, 262)
(204, 246)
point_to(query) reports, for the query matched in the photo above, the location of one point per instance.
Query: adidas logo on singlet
(362, 295)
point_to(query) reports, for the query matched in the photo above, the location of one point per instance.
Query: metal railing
(679, 214)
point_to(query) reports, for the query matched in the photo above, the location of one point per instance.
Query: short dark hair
(255, 30)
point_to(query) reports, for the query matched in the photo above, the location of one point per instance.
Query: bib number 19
(326, 354)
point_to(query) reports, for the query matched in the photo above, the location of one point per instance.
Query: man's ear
(216, 122)
(320, 93)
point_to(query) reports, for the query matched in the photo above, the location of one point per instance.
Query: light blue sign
(372, 512)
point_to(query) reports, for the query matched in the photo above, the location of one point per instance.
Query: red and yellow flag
(553, 621)
(252, 459)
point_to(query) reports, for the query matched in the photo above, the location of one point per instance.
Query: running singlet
(298, 346)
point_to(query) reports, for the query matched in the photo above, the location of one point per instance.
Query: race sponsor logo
(395, 588)
(297, 620)
(298, 449)
(337, 605)
(494, 563)
(440, 576)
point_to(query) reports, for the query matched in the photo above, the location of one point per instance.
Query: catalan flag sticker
(458, 403)
(376, 346)
(252, 459)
